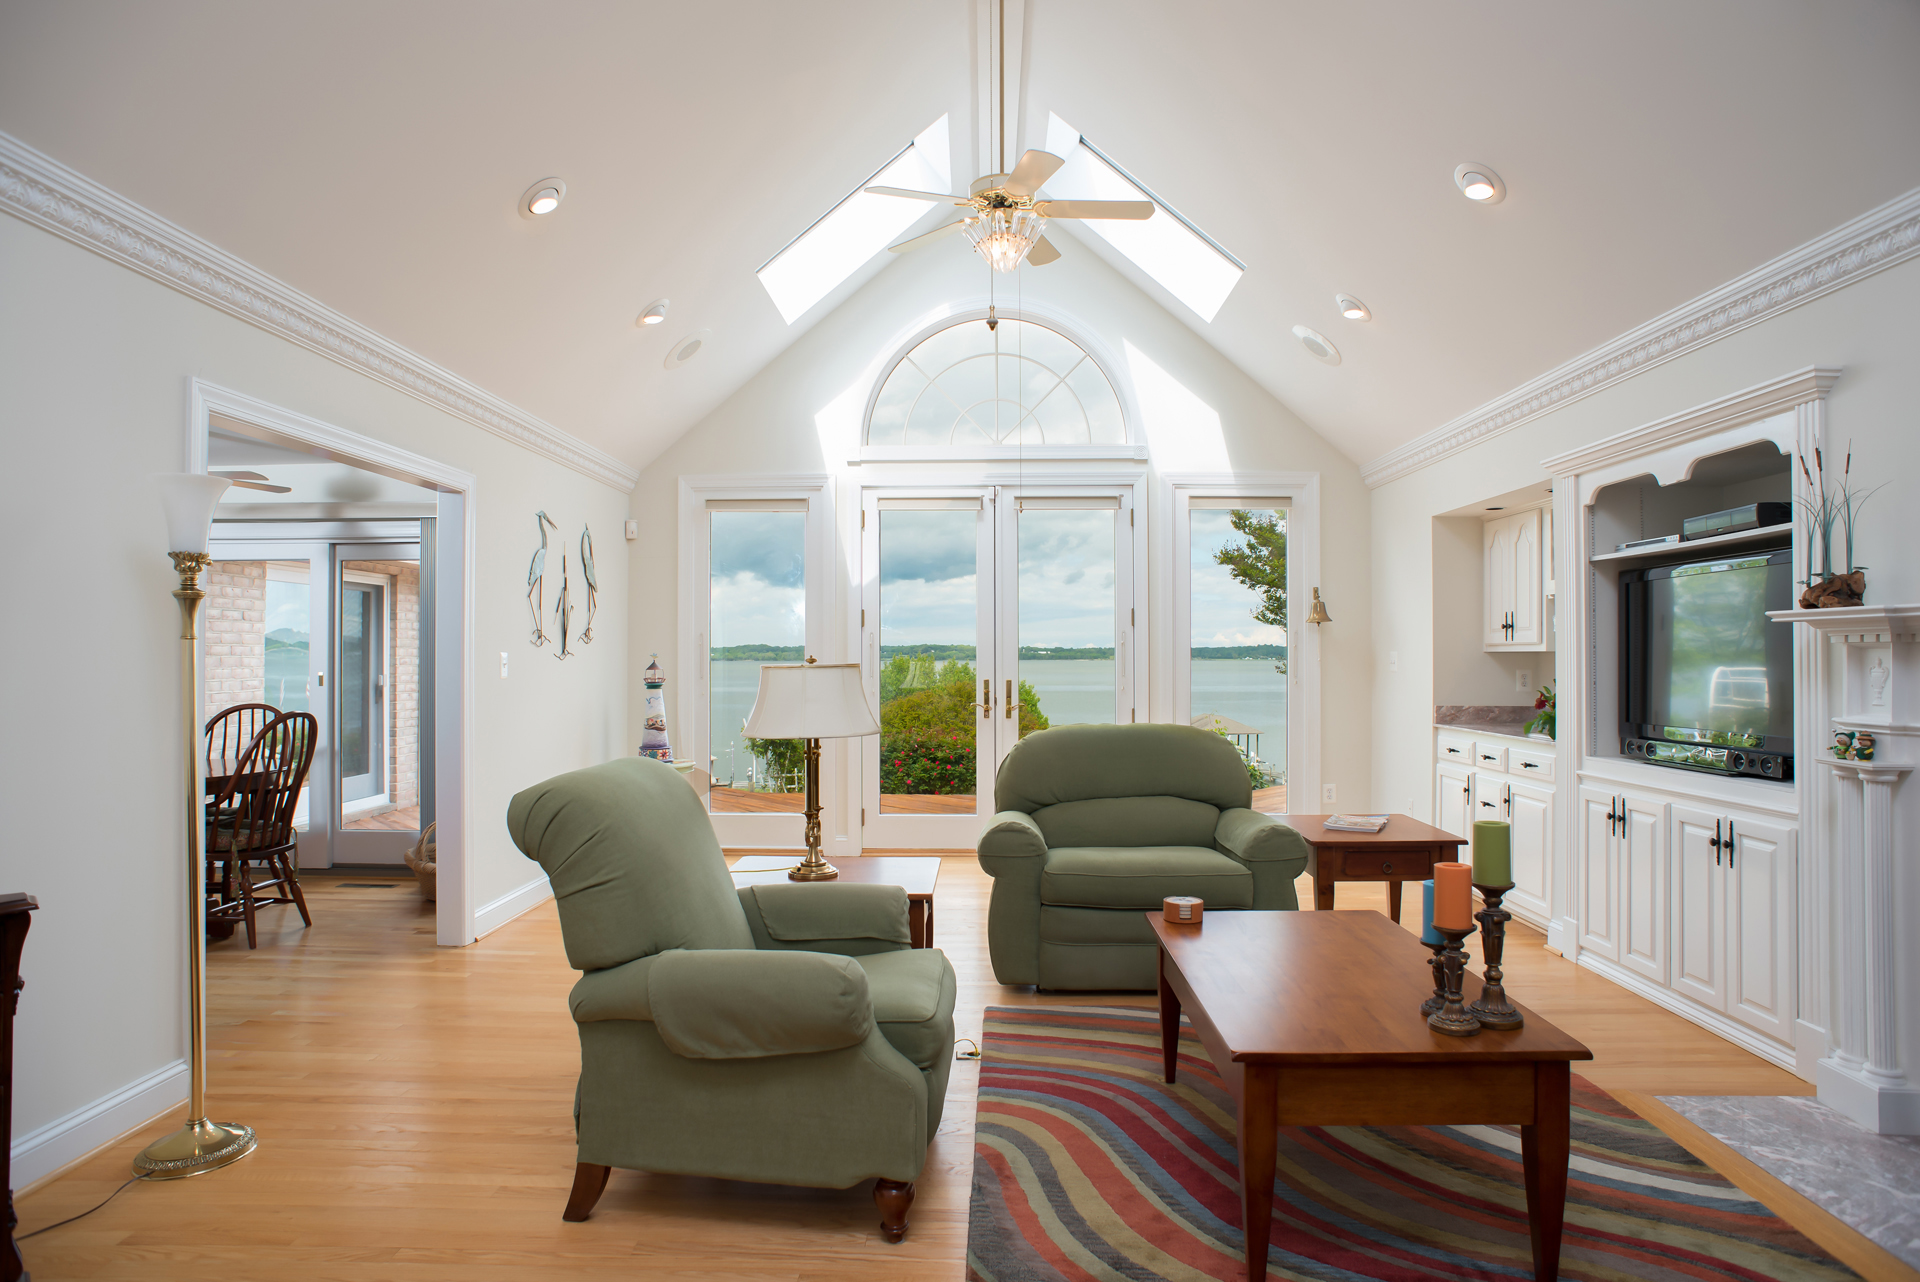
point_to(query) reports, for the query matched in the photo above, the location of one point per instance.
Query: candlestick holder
(1452, 1017)
(1439, 998)
(1492, 1009)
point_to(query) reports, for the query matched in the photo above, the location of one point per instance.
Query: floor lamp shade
(189, 499)
(811, 701)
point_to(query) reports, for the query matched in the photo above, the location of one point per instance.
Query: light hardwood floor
(414, 1106)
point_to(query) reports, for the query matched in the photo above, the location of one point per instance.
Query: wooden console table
(1405, 850)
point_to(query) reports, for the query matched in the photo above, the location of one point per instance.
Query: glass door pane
(379, 690)
(1237, 643)
(362, 674)
(1069, 671)
(756, 613)
(929, 679)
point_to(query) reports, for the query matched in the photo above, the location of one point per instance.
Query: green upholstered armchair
(783, 1034)
(1097, 823)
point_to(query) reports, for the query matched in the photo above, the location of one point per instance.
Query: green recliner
(1097, 824)
(782, 1034)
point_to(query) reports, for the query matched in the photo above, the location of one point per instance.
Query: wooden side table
(1405, 850)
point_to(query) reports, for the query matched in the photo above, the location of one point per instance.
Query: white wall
(94, 360)
(1871, 328)
(1199, 413)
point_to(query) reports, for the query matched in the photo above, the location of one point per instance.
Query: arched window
(1022, 384)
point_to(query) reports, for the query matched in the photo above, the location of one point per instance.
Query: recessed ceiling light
(542, 198)
(655, 313)
(1352, 308)
(1316, 342)
(1479, 183)
(687, 348)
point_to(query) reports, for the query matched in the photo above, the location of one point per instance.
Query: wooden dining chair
(251, 823)
(230, 730)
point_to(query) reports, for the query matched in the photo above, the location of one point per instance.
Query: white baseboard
(1560, 937)
(493, 916)
(1809, 1048)
(41, 1152)
(1686, 1008)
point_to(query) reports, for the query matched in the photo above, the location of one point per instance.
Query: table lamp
(188, 498)
(811, 701)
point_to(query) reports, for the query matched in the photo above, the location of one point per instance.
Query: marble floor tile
(1871, 1182)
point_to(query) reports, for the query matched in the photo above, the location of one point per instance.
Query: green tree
(1260, 564)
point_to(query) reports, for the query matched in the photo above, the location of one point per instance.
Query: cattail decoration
(1802, 459)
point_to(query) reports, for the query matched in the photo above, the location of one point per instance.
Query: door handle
(1714, 841)
(1009, 698)
(1507, 799)
(1489, 805)
(986, 696)
(1729, 844)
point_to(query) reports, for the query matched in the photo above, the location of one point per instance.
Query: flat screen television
(1706, 678)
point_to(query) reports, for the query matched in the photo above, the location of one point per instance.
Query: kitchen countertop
(1507, 729)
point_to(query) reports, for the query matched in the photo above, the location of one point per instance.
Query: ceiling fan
(252, 481)
(1005, 220)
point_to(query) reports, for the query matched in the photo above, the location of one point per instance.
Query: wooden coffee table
(1313, 1019)
(1405, 850)
(916, 874)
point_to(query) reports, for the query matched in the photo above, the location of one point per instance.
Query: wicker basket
(419, 857)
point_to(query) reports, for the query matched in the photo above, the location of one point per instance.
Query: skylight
(1182, 258)
(857, 228)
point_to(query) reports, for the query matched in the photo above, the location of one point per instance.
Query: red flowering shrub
(927, 760)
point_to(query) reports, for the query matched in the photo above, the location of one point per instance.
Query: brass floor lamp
(811, 701)
(199, 1146)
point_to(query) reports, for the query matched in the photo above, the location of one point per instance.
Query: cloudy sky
(928, 585)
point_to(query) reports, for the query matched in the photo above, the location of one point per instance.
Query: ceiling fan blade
(910, 194)
(926, 237)
(1033, 170)
(233, 475)
(269, 489)
(1130, 209)
(1042, 253)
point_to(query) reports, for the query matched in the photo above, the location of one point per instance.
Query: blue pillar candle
(1428, 935)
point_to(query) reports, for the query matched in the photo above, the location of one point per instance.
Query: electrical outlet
(1393, 661)
(1523, 680)
(503, 663)
(633, 529)
(1326, 792)
(1407, 809)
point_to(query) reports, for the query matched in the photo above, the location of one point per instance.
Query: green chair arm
(1252, 837)
(743, 1003)
(827, 917)
(618, 992)
(1011, 835)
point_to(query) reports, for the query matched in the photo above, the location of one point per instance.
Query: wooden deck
(400, 819)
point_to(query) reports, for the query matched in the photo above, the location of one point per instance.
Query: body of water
(1072, 691)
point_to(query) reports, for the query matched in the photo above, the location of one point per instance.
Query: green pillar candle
(1492, 852)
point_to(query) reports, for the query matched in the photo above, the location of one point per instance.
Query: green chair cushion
(1256, 838)
(1081, 763)
(913, 993)
(633, 862)
(618, 992)
(741, 1003)
(1128, 821)
(801, 912)
(1141, 876)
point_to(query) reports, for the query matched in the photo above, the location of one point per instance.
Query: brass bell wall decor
(1317, 612)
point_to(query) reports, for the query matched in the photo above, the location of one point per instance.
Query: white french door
(987, 612)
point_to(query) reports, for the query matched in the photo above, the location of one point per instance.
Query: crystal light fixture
(1003, 236)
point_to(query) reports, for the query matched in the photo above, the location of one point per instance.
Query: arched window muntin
(941, 390)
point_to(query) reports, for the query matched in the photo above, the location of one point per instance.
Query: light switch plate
(503, 663)
(1326, 792)
(633, 529)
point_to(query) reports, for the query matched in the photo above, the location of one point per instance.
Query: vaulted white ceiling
(373, 155)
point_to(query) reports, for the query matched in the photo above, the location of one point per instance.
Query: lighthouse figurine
(653, 739)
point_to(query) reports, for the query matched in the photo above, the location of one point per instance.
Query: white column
(1849, 994)
(1877, 786)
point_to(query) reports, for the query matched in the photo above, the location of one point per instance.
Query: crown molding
(1872, 242)
(40, 190)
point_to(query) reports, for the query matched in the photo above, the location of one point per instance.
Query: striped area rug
(1088, 1166)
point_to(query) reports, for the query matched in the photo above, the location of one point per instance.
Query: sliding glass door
(988, 613)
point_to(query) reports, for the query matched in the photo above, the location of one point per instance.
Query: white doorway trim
(1301, 491)
(455, 532)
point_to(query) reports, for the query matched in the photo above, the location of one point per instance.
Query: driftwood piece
(1835, 591)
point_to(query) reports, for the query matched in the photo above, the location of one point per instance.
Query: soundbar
(1708, 757)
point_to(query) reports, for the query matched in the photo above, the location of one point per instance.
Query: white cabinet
(1452, 798)
(1733, 941)
(1515, 561)
(1623, 867)
(1530, 811)
(1599, 867)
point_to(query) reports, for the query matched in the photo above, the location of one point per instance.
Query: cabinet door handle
(1489, 805)
(1730, 846)
(1485, 756)
(1715, 842)
(1507, 798)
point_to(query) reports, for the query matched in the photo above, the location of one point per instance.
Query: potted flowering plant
(1542, 722)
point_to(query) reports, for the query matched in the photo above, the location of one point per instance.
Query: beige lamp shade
(189, 499)
(811, 701)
